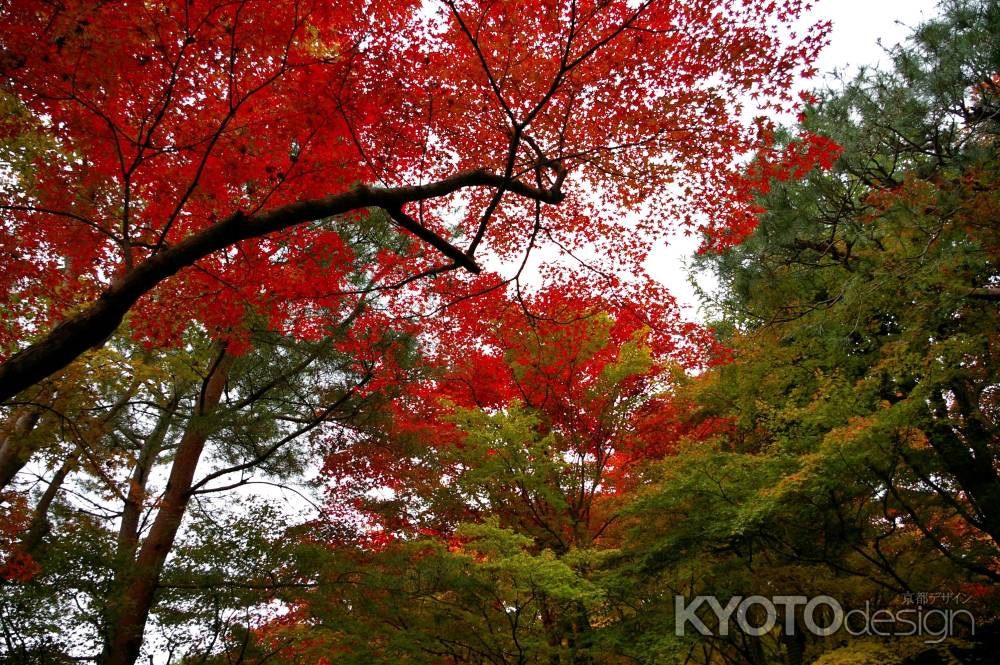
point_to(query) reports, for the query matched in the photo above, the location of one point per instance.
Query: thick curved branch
(93, 325)
(434, 240)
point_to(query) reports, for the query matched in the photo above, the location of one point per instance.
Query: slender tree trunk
(795, 647)
(128, 531)
(582, 637)
(16, 448)
(552, 633)
(14, 453)
(969, 458)
(127, 613)
(40, 517)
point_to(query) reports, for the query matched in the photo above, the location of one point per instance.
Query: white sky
(858, 26)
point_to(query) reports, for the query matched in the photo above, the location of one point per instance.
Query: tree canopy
(169, 150)
(276, 387)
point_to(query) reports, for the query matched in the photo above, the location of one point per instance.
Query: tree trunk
(128, 531)
(969, 457)
(138, 577)
(14, 454)
(40, 517)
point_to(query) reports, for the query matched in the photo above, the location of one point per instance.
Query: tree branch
(95, 323)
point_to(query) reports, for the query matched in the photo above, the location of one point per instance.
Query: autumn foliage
(327, 336)
(571, 386)
(182, 165)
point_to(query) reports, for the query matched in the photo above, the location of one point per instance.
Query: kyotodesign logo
(821, 616)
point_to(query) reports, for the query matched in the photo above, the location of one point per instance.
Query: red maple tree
(187, 156)
(573, 382)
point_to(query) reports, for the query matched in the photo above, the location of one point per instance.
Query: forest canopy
(327, 336)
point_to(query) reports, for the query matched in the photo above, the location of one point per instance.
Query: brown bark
(98, 321)
(14, 454)
(968, 456)
(795, 647)
(128, 531)
(16, 448)
(138, 576)
(40, 517)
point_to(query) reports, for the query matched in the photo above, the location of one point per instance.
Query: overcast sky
(858, 25)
